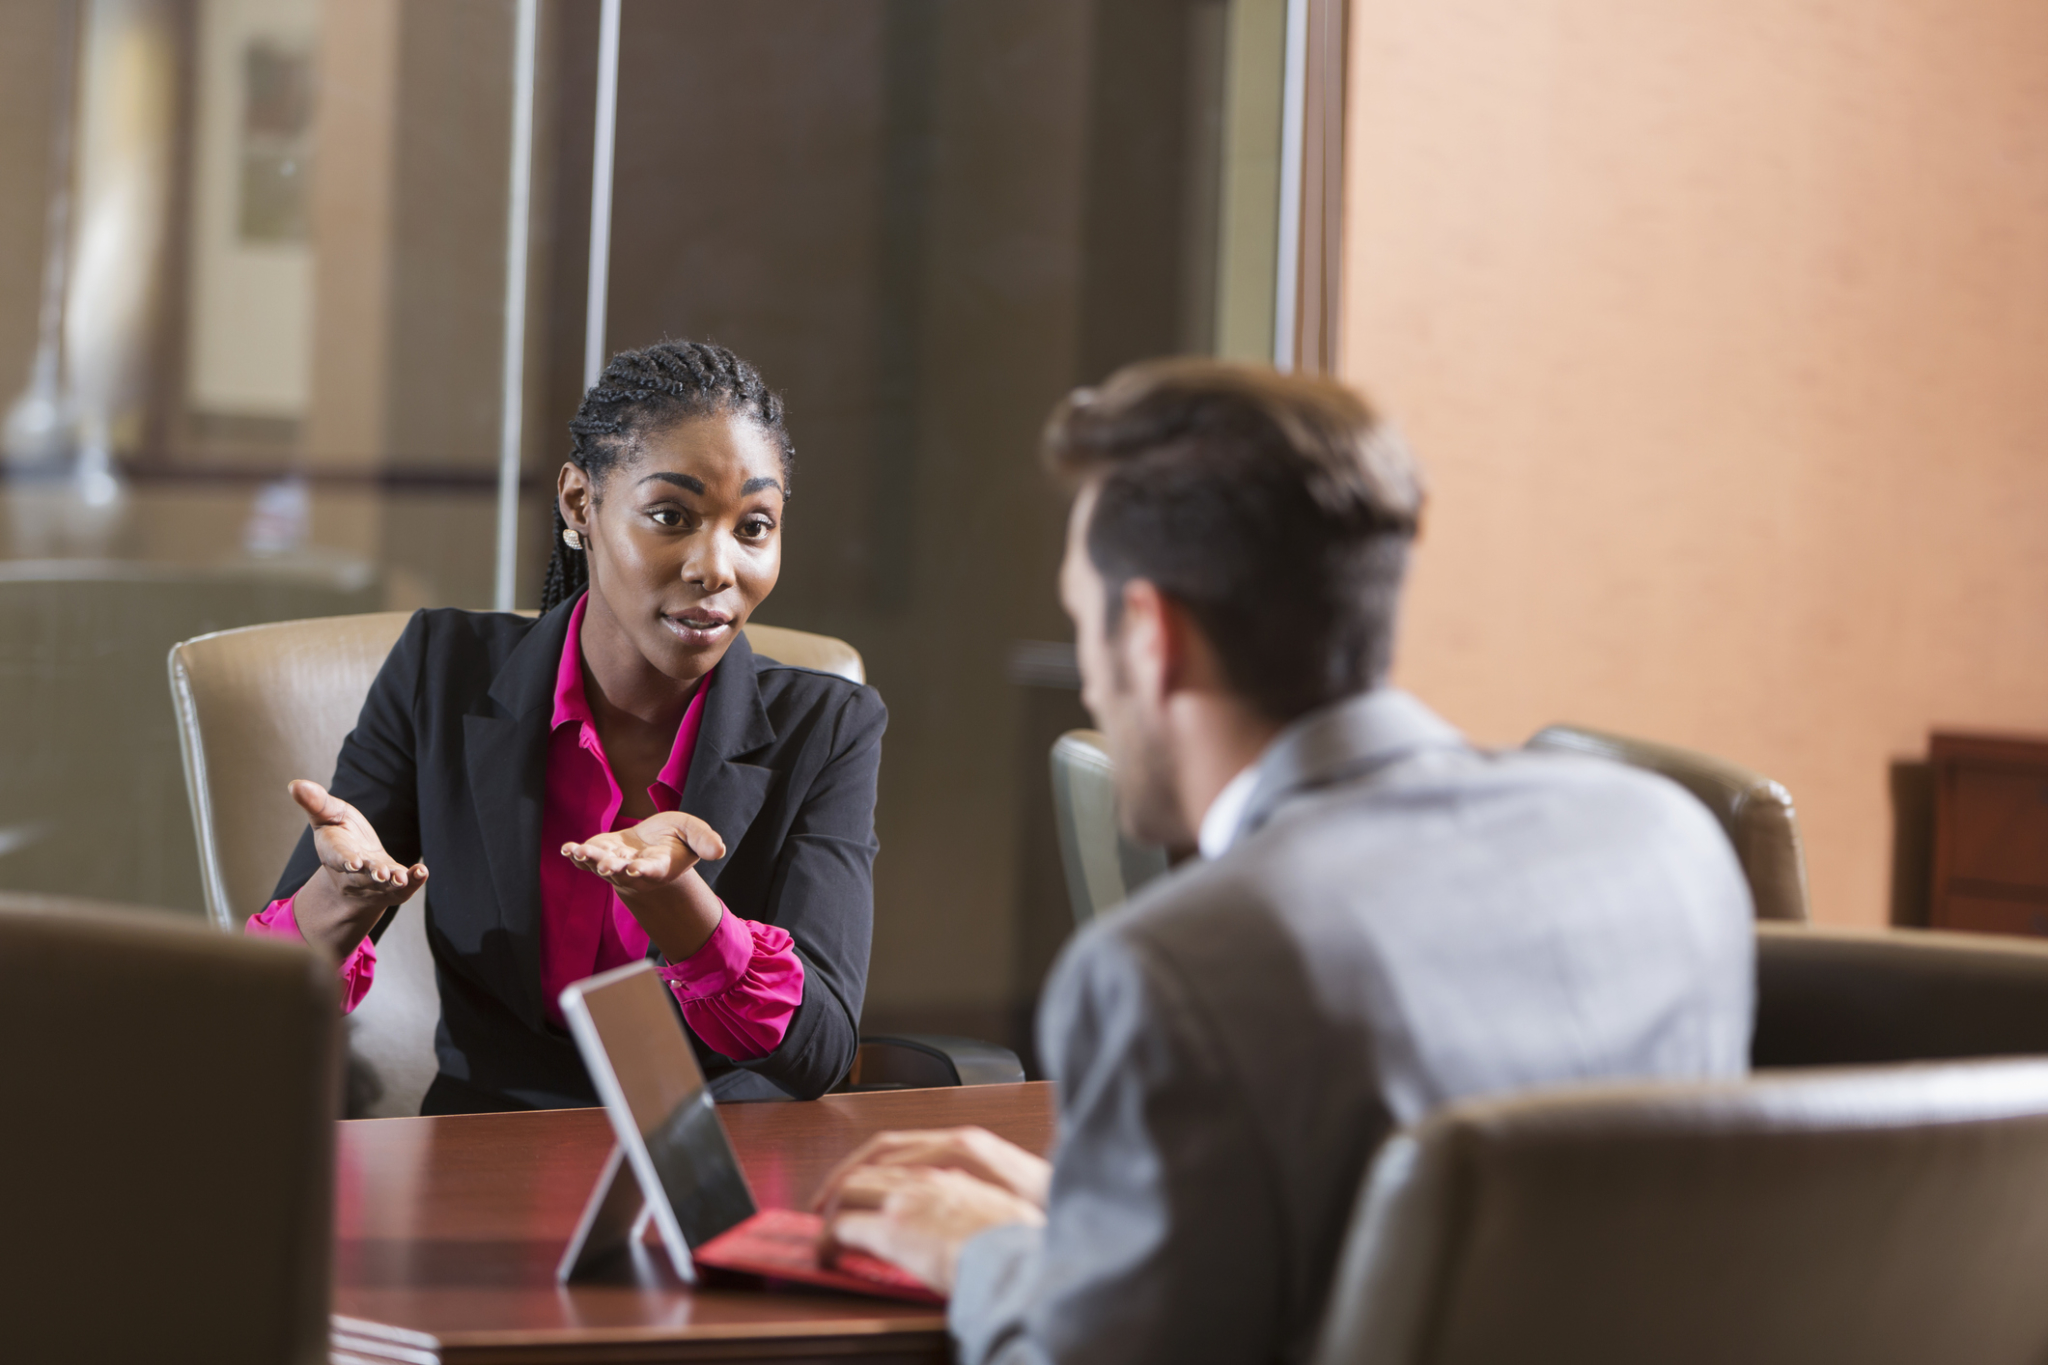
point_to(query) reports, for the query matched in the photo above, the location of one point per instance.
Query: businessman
(1383, 918)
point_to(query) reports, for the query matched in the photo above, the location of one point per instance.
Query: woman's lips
(698, 627)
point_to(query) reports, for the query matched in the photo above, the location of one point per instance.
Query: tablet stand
(616, 1217)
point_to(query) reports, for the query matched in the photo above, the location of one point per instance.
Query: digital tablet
(672, 1146)
(670, 1142)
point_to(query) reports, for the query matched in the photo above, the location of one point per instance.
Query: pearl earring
(571, 539)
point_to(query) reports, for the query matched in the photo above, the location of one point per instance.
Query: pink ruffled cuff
(739, 990)
(279, 920)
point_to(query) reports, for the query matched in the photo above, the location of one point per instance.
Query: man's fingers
(869, 1187)
(860, 1156)
(867, 1232)
(972, 1151)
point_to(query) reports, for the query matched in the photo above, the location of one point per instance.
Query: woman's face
(683, 541)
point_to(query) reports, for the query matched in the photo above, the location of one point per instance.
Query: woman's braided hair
(647, 391)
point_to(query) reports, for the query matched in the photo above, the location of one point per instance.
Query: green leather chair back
(1755, 811)
(1103, 867)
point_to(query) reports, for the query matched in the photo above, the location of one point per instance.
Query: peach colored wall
(1722, 327)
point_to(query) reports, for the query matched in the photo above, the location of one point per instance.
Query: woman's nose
(709, 563)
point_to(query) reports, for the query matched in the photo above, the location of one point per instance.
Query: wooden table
(448, 1231)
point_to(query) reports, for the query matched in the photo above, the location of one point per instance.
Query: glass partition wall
(257, 264)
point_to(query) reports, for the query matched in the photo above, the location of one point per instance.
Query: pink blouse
(737, 992)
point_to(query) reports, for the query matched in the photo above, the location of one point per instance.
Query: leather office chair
(260, 706)
(1886, 1216)
(1103, 867)
(1840, 997)
(1755, 811)
(93, 745)
(168, 1187)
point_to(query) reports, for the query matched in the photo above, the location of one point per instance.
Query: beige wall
(1722, 326)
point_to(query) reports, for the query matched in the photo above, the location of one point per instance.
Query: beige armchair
(259, 706)
(1886, 1216)
(1755, 811)
(169, 1177)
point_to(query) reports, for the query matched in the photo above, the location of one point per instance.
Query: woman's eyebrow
(696, 485)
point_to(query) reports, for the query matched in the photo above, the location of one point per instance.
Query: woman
(621, 778)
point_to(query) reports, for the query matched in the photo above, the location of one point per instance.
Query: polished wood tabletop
(448, 1231)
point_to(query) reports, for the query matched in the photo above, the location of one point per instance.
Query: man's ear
(1187, 661)
(573, 495)
(1146, 639)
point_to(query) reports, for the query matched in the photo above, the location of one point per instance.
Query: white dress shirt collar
(1220, 821)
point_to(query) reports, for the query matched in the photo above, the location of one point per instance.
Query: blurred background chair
(1103, 867)
(1755, 811)
(1887, 1216)
(153, 1066)
(920, 1061)
(90, 783)
(259, 706)
(1839, 997)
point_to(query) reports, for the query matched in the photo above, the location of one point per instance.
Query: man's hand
(975, 1151)
(918, 1217)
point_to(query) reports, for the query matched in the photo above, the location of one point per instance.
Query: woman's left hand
(657, 851)
(653, 868)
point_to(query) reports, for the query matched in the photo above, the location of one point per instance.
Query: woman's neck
(618, 682)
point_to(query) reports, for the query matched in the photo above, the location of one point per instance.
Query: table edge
(909, 1325)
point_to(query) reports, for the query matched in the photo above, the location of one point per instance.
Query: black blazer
(448, 762)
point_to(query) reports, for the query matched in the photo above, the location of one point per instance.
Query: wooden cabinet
(1990, 834)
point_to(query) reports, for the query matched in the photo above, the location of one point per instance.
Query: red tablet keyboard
(783, 1244)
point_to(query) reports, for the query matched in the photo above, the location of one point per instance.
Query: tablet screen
(640, 1057)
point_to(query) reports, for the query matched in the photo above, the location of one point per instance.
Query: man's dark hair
(645, 392)
(1278, 509)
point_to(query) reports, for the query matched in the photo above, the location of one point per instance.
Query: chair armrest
(913, 1061)
(1832, 997)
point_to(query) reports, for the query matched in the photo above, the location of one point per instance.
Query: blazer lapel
(506, 748)
(722, 790)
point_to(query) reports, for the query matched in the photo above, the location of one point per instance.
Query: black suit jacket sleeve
(822, 895)
(376, 772)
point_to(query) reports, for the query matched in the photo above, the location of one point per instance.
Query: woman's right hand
(359, 879)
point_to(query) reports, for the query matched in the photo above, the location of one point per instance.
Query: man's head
(1234, 561)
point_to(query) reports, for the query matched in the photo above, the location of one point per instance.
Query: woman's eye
(667, 516)
(756, 528)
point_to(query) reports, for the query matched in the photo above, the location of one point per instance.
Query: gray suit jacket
(1401, 921)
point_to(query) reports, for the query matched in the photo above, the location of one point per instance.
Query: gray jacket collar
(1342, 742)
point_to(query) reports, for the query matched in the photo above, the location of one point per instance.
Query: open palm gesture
(652, 854)
(354, 857)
